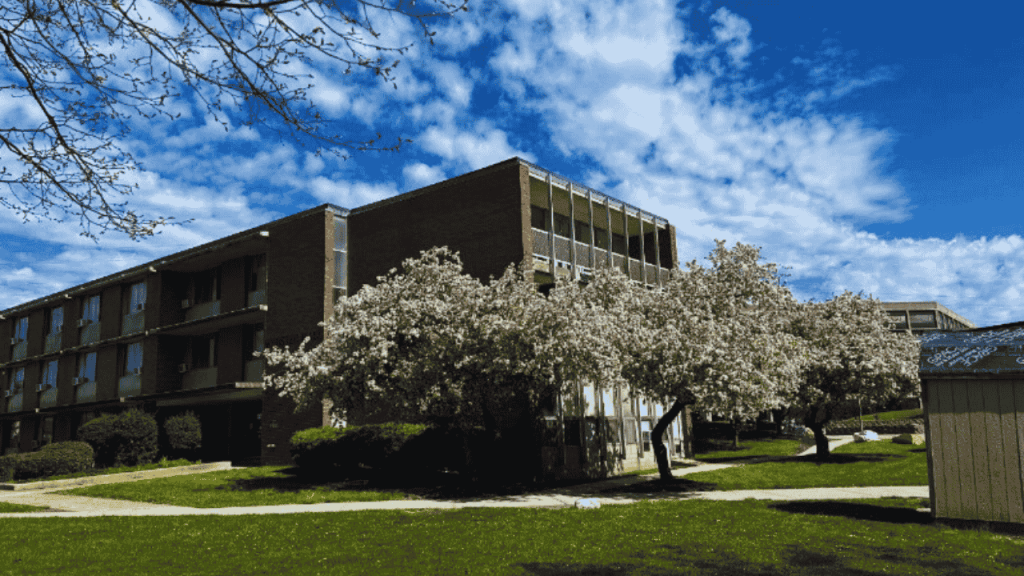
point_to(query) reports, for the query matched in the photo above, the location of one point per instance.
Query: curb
(115, 478)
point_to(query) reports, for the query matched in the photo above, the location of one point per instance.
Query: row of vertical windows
(340, 257)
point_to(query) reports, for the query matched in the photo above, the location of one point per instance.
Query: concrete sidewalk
(64, 506)
(83, 507)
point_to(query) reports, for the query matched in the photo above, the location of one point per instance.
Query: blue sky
(868, 146)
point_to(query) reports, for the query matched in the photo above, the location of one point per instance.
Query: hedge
(343, 451)
(125, 439)
(52, 460)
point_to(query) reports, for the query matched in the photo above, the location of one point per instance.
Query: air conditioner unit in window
(138, 307)
(135, 371)
(186, 303)
(83, 322)
(43, 387)
(78, 381)
(14, 341)
(7, 393)
(182, 368)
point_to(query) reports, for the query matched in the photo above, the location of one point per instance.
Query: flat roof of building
(915, 306)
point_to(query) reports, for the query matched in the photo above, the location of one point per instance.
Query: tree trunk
(660, 450)
(736, 435)
(820, 440)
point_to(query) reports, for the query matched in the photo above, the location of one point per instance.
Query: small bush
(126, 439)
(51, 460)
(7, 468)
(184, 433)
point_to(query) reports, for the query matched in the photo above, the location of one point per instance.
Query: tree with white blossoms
(851, 354)
(434, 344)
(710, 337)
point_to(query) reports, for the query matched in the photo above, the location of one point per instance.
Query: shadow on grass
(659, 486)
(795, 559)
(832, 458)
(892, 515)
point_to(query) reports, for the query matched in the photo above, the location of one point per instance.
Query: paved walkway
(63, 506)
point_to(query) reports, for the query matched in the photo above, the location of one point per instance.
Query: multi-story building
(923, 317)
(179, 333)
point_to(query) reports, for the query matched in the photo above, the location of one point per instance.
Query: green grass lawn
(690, 537)
(893, 415)
(8, 508)
(865, 464)
(724, 452)
(261, 486)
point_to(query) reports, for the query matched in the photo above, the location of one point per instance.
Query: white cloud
(482, 146)
(418, 175)
(734, 32)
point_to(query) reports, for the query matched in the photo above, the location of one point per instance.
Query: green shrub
(342, 450)
(7, 467)
(125, 439)
(51, 460)
(184, 433)
(317, 450)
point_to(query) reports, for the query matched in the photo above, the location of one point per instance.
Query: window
(340, 257)
(582, 232)
(86, 368)
(601, 238)
(618, 243)
(12, 440)
(49, 376)
(17, 382)
(539, 218)
(562, 225)
(44, 432)
(202, 352)
(21, 330)
(56, 320)
(91, 310)
(135, 300)
(256, 277)
(257, 338)
(133, 359)
(206, 286)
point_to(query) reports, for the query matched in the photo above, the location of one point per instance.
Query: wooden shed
(972, 386)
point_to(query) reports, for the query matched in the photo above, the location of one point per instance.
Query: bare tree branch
(78, 72)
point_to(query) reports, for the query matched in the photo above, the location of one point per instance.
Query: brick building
(179, 333)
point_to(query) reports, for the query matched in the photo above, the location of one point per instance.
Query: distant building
(179, 333)
(923, 317)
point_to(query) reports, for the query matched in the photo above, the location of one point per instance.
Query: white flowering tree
(710, 337)
(851, 354)
(433, 344)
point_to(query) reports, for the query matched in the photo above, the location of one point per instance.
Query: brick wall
(300, 258)
(484, 215)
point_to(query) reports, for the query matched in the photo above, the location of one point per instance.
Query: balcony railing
(90, 333)
(85, 392)
(20, 350)
(133, 323)
(48, 397)
(256, 298)
(14, 403)
(198, 378)
(52, 343)
(204, 310)
(130, 385)
(254, 370)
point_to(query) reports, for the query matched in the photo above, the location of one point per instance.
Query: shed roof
(992, 350)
